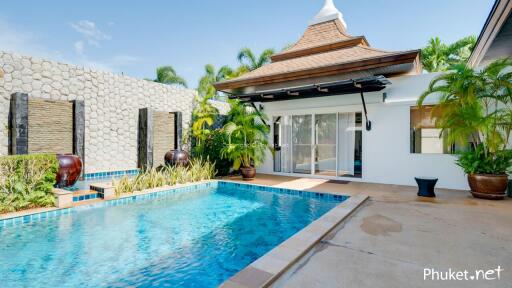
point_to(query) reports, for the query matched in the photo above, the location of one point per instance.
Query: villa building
(341, 109)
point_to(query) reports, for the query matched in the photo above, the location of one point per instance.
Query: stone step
(85, 195)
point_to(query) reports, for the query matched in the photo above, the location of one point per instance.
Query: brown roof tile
(321, 34)
(322, 46)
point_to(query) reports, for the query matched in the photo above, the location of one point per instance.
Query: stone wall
(111, 105)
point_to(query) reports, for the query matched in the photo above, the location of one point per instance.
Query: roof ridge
(362, 41)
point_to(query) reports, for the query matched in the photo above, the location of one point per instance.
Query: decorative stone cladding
(50, 134)
(111, 105)
(163, 136)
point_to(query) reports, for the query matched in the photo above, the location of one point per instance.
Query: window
(426, 138)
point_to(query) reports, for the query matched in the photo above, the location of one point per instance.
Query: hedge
(26, 181)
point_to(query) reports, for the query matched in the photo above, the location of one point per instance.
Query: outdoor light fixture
(320, 89)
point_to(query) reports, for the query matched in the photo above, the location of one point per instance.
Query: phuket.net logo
(462, 275)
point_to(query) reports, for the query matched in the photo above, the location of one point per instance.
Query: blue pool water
(194, 237)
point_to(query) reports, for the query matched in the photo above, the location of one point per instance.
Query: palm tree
(203, 117)
(212, 76)
(250, 62)
(474, 105)
(167, 75)
(247, 136)
(437, 56)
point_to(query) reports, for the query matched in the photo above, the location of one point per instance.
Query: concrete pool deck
(395, 235)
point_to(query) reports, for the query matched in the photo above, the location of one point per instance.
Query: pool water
(194, 238)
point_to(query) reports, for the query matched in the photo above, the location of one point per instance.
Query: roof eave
(369, 63)
(497, 17)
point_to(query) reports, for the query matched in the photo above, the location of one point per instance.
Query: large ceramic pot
(70, 169)
(248, 173)
(488, 186)
(177, 157)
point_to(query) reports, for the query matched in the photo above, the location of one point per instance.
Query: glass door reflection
(302, 143)
(325, 144)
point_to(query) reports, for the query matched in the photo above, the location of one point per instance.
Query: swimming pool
(195, 236)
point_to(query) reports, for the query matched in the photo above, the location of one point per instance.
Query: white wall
(386, 148)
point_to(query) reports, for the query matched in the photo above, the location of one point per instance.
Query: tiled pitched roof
(320, 34)
(325, 48)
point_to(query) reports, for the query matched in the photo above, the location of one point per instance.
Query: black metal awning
(351, 86)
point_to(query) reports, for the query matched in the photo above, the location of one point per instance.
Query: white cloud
(17, 40)
(79, 47)
(90, 31)
(92, 36)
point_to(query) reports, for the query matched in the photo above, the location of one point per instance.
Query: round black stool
(426, 186)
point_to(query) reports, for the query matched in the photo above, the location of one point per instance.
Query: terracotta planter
(491, 187)
(70, 169)
(177, 157)
(248, 173)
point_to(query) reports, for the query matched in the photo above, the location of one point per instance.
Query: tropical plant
(476, 106)
(212, 150)
(477, 162)
(197, 170)
(203, 117)
(249, 61)
(206, 88)
(438, 56)
(247, 136)
(26, 181)
(167, 75)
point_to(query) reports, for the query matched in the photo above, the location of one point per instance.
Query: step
(85, 195)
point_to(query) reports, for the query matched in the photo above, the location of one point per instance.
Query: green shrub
(197, 170)
(26, 181)
(211, 150)
(476, 161)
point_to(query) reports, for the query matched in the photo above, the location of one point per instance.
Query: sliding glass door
(325, 144)
(302, 143)
(319, 144)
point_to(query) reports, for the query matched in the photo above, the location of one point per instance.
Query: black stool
(426, 186)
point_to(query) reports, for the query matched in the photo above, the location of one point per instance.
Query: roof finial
(329, 12)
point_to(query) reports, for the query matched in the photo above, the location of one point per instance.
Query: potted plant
(475, 112)
(247, 139)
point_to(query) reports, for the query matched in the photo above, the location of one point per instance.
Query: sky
(135, 37)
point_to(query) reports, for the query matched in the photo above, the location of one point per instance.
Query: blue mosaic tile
(150, 196)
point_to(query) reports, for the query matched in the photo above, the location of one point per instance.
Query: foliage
(437, 56)
(203, 117)
(167, 75)
(211, 76)
(197, 170)
(477, 162)
(477, 106)
(26, 181)
(249, 61)
(247, 136)
(212, 150)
